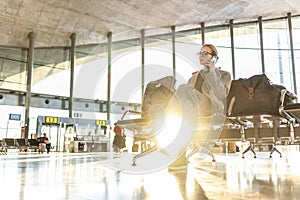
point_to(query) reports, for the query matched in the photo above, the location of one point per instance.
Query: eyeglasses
(203, 53)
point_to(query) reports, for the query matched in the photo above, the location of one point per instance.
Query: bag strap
(199, 82)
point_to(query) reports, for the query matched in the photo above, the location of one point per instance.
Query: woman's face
(205, 55)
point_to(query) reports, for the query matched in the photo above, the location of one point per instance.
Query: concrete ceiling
(55, 20)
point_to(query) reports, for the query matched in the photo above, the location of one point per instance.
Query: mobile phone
(214, 60)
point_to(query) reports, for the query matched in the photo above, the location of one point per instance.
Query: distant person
(47, 142)
(119, 141)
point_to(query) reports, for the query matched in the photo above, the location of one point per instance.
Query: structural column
(173, 51)
(232, 47)
(203, 32)
(292, 51)
(73, 64)
(30, 59)
(143, 60)
(109, 38)
(261, 38)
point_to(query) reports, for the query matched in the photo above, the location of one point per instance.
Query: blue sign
(16, 117)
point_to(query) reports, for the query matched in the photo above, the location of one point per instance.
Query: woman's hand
(209, 66)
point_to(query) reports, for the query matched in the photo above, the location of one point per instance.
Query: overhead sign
(16, 117)
(51, 120)
(77, 115)
(100, 122)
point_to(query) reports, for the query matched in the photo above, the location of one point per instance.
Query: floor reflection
(83, 176)
(188, 186)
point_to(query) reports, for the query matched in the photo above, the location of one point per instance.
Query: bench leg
(152, 149)
(273, 150)
(250, 148)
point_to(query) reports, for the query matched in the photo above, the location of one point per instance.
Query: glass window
(90, 74)
(220, 37)
(158, 57)
(13, 62)
(247, 50)
(277, 52)
(187, 44)
(51, 71)
(126, 71)
(296, 43)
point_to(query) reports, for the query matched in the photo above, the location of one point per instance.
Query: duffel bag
(253, 96)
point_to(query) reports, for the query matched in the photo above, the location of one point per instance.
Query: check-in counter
(79, 146)
(100, 144)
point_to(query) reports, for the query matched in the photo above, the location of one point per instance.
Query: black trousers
(48, 146)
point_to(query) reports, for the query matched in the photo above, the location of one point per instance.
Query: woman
(208, 88)
(119, 141)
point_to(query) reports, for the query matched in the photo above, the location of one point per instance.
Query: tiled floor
(58, 176)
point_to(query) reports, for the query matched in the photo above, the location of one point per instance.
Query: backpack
(157, 96)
